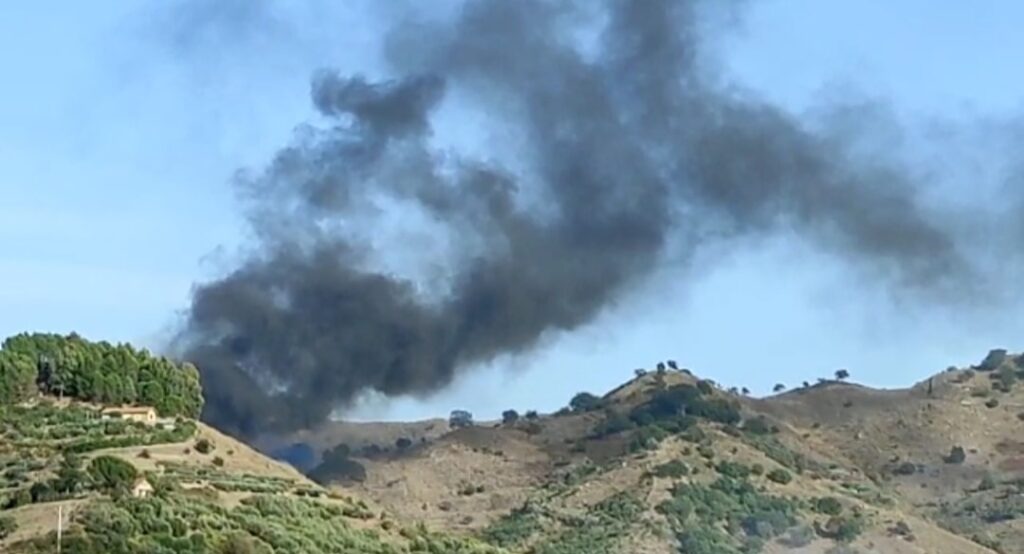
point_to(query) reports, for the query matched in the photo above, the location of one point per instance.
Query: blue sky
(120, 127)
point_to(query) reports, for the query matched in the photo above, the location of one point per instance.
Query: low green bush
(779, 476)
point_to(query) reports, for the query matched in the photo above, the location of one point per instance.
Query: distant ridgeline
(97, 372)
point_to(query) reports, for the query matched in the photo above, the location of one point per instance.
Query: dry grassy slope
(855, 431)
(877, 430)
(358, 434)
(238, 457)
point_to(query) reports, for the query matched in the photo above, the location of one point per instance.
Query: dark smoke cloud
(632, 148)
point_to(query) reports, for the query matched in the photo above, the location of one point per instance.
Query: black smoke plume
(628, 151)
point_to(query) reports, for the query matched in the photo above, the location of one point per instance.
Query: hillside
(212, 493)
(668, 462)
(671, 463)
(137, 479)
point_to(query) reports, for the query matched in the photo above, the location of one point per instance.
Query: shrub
(613, 423)
(7, 526)
(112, 473)
(980, 392)
(828, 505)
(243, 543)
(842, 528)
(647, 438)
(531, 415)
(957, 455)
(218, 461)
(758, 425)
(905, 468)
(733, 469)
(204, 446)
(798, 537)
(992, 403)
(402, 443)
(901, 529)
(584, 402)
(779, 476)
(695, 435)
(720, 410)
(712, 519)
(673, 469)
(22, 497)
(514, 528)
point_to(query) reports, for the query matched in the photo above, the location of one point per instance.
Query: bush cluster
(268, 524)
(727, 515)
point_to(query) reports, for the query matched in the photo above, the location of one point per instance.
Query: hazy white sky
(122, 123)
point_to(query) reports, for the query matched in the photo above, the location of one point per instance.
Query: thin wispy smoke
(624, 147)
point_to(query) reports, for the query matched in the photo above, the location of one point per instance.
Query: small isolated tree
(956, 455)
(842, 375)
(779, 387)
(639, 372)
(672, 364)
(204, 446)
(584, 402)
(806, 385)
(661, 367)
(112, 473)
(402, 443)
(745, 391)
(531, 415)
(509, 417)
(459, 419)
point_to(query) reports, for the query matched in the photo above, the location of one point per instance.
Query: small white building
(141, 488)
(142, 414)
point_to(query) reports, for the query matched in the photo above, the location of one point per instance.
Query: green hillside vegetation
(195, 523)
(43, 444)
(72, 367)
(672, 411)
(57, 445)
